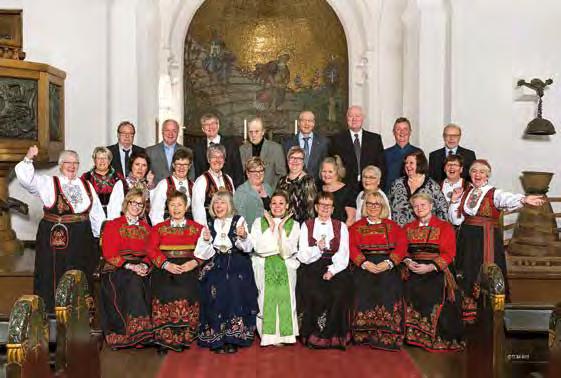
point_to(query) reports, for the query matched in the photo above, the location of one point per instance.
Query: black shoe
(231, 348)
(219, 350)
(162, 351)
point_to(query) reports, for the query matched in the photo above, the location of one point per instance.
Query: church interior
(72, 70)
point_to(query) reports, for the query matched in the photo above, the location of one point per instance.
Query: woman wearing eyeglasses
(72, 218)
(299, 185)
(253, 197)
(432, 301)
(175, 285)
(125, 294)
(275, 240)
(377, 246)
(324, 286)
(140, 177)
(178, 181)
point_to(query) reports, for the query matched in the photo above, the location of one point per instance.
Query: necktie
(356, 145)
(306, 150)
(450, 152)
(127, 158)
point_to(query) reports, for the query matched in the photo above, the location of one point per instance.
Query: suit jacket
(158, 161)
(272, 155)
(232, 165)
(318, 151)
(116, 161)
(436, 163)
(371, 153)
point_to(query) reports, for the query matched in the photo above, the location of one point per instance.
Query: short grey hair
(377, 172)
(102, 150)
(215, 148)
(65, 154)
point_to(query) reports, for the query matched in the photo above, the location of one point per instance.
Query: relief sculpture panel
(18, 108)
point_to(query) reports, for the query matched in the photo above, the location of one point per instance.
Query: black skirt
(378, 311)
(51, 263)
(125, 309)
(323, 306)
(175, 306)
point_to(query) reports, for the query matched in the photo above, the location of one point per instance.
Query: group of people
(308, 245)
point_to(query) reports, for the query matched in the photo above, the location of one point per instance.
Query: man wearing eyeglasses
(124, 148)
(270, 152)
(452, 134)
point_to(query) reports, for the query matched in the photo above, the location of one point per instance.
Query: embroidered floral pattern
(138, 329)
(380, 317)
(133, 232)
(175, 323)
(421, 234)
(234, 327)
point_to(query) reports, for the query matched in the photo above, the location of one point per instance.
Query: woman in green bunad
(275, 240)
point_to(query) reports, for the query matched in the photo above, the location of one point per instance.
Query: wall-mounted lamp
(539, 125)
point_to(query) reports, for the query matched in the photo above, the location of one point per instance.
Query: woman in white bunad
(275, 240)
(480, 240)
(72, 218)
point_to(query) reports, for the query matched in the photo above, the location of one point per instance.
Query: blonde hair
(337, 164)
(133, 193)
(102, 150)
(384, 211)
(421, 196)
(222, 195)
(254, 162)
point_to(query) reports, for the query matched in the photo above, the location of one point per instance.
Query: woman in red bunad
(432, 301)
(125, 295)
(377, 245)
(175, 285)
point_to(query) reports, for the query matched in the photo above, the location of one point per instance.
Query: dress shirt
(122, 156)
(308, 254)
(448, 150)
(215, 140)
(301, 141)
(359, 136)
(169, 150)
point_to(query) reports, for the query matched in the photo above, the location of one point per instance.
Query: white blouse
(270, 243)
(222, 241)
(159, 198)
(116, 201)
(42, 186)
(199, 194)
(502, 200)
(448, 188)
(308, 254)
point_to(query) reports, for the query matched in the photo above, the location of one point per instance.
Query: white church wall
(494, 43)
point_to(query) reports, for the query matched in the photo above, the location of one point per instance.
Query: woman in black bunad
(178, 181)
(377, 246)
(72, 218)
(324, 286)
(175, 285)
(480, 240)
(228, 291)
(432, 299)
(125, 293)
(140, 177)
(102, 176)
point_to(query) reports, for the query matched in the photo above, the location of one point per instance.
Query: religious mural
(267, 58)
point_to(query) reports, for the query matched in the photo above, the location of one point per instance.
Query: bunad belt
(449, 280)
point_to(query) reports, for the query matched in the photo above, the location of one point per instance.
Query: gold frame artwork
(11, 28)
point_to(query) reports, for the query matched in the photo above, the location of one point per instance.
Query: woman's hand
(327, 276)
(421, 268)
(457, 194)
(533, 200)
(189, 266)
(270, 220)
(32, 152)
(173, 268)
(206, 234)
(284, 220)
(241, 232)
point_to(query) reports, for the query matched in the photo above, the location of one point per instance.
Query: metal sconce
(539, 125)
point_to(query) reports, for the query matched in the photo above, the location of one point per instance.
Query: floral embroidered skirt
(378, 311)
(228, 301)
(471, 239)
(125, 309)
(175, 306)
(432, 321)
(324, 306)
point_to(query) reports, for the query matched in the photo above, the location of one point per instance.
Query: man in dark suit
(233, 164)
(315, 145)
(452, 134)
(161, 154)
(358, 148)
(124, 148)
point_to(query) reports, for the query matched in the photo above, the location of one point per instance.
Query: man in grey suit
(315, 145)
(161, 154)
(270, 152)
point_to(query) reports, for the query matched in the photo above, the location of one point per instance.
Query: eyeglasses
(71, 162)
(325, 205)
(217, 157)
(140, 205)
(180, 165)
(127, 134)
(452, 135)
(373, 205)
(295, 158)
(259, 172)
(370, 177)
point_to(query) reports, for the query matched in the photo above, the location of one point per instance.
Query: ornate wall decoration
(55, 106)
(266, 58)
(18, 108)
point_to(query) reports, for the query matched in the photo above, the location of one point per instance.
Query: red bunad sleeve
(110, 242)
(447, 246)
(153, 249)
(354, 250)
(400, 240)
